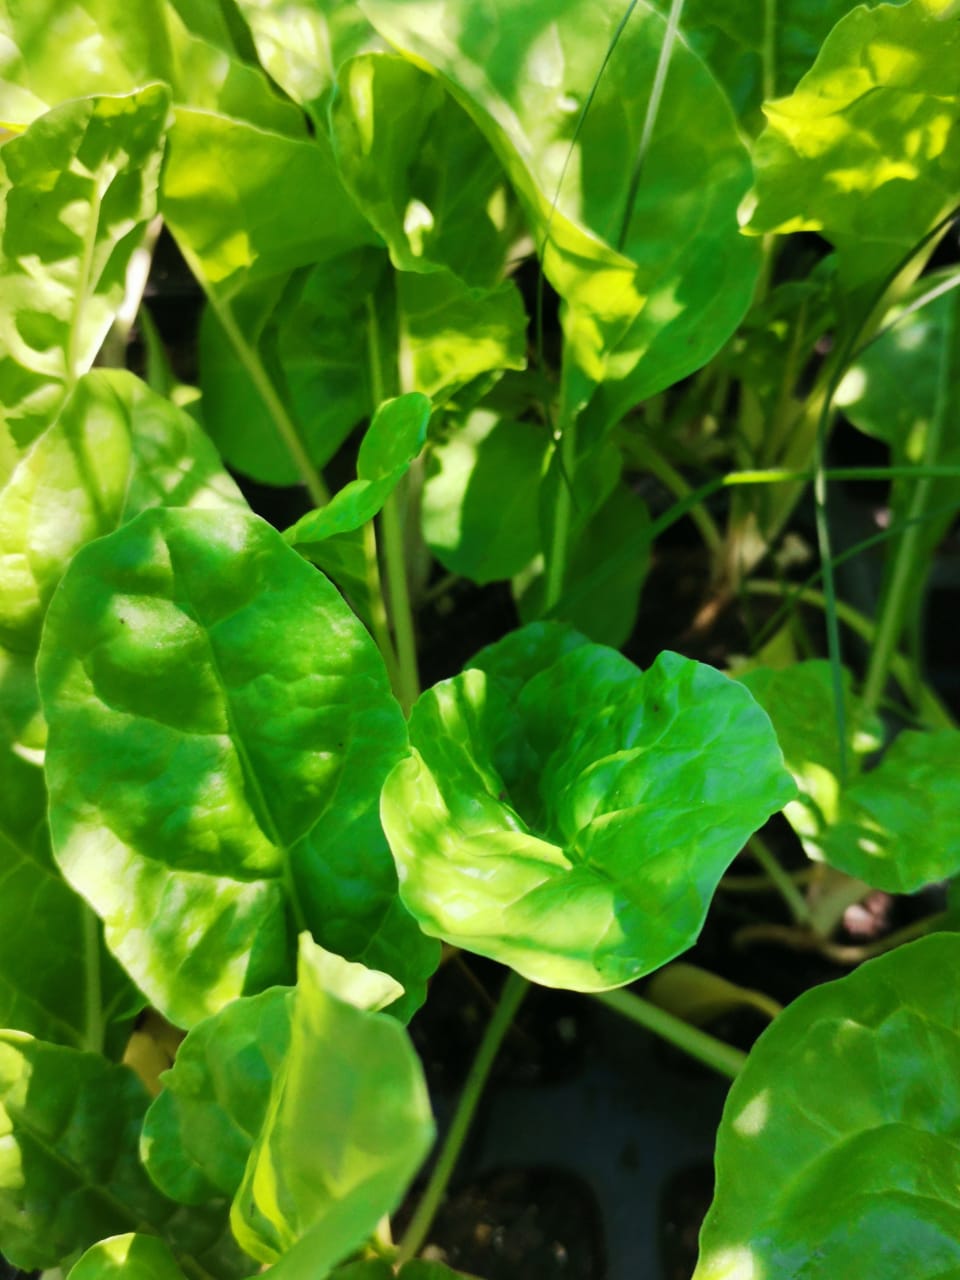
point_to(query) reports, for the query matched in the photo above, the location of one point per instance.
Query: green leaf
(421, 171)
(304, 44)
(246, 204)
(220, 727)
(79, 187)
(751, 62)
(115, 449)
(902, 390)
(98, 50)
(199, 1132)
(330, 1163)
(896, 826)
(866, 151)
(70, 1173)
(569, 815)
(837, 1153)
(525, 75)
(479, 518)
(394, 438)
(128, 1257)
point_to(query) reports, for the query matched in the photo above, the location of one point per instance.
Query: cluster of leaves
(230, 820)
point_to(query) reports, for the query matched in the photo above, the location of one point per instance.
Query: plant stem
(408, 676)
(791, 895)
(514, 989)
(284, 425)
(909, 550)
(379, 623)
(562, 510)
(671, 479)
(705, 1048)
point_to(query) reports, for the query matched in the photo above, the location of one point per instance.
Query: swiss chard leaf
(220, 726)
(115, 449)
(127, 1257)
(569, 815)
(842, 154)
(79, 187)
(896, 826)
(328, 1165)
(837, 1153)
(634, 214)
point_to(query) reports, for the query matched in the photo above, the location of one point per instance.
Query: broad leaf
(78, 189)
(98, 50)
(525, 75)
(751, 61)
(837, 1154)
(478, 516)
(330, 1162)
(394, 438)
(200, 1131)
(70, 1173)
(895, 826)
(220, 727)
(569, 815)
(866, 151)
(303, 44)
(114, 450)
(127, 1257)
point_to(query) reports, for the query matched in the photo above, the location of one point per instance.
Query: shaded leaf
(896, 826)
(328, 1165)
(570, 815)
(480, 514)
(79, 187)
(837, 1153)
(866, 151)
(220, 726)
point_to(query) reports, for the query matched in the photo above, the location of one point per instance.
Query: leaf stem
(514, 989)
(797, 903)
(284, 425)
(379, 623)
(671, 479)
(394, 555)
(565, 445)
(707, 1049)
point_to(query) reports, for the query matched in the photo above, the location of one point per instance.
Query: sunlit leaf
(220, 726)
(837, 1154)
(330, 1163)
(569, 815)
(127, 1257)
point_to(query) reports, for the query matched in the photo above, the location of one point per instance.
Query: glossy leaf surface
(220, 726)
(837, 1153)
(114, 450)
(78, 189)
(866, 150)
(127, 1257)
(330, 1163)
(525, 74)
(569, 815)
(897, 825)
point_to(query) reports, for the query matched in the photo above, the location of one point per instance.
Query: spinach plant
(550, 280)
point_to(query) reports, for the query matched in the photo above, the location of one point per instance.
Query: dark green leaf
(220, 726)
(571, 815)
(330, 1163)
(837, 1154)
